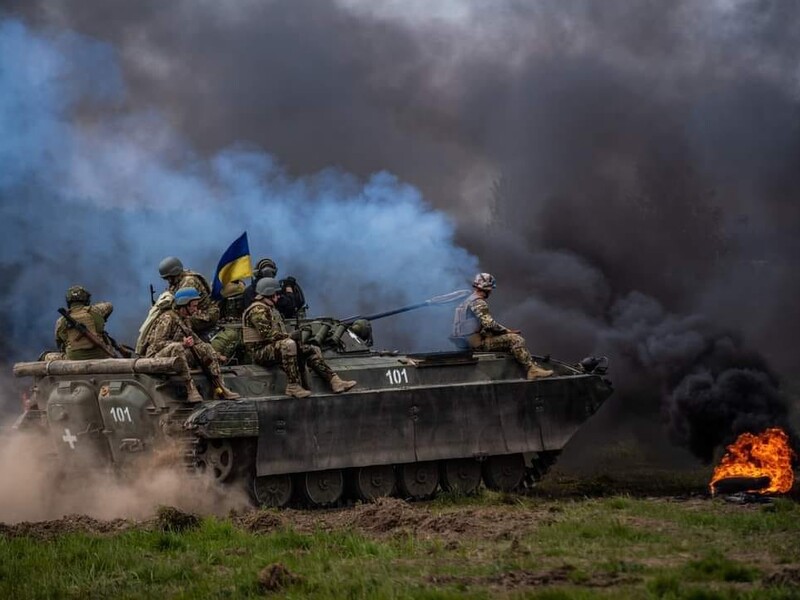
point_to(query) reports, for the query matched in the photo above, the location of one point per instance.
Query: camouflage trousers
(506, 342)
(288, 353)
(187, 357)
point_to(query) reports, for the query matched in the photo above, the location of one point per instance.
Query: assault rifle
(85, 332)
(124, 351)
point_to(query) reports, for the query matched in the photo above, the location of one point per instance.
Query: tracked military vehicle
(415, 423)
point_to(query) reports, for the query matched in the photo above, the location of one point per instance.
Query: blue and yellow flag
(234, 265)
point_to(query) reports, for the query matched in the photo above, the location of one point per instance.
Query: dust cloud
(34, 488)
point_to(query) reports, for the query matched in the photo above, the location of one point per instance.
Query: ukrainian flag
(234, 265)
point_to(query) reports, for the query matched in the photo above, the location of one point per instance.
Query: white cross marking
(69, 439)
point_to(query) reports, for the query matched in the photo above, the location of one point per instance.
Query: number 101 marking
(397, 376)
(120, 414)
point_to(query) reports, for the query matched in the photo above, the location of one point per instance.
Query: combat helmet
(266, 267)
(484, 281)
(232, 288)
(363, 329)
(185, 295)
(267, 286)
(170, 267)
(78, 293)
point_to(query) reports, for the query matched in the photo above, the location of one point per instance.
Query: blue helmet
(185, 295)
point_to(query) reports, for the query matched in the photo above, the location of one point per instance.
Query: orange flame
(766, 454)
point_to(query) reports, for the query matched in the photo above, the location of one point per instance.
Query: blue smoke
(91, 193)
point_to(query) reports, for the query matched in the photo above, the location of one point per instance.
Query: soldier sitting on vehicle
(291, 299)
(264, 334)
(474, 326)
(76, 345)
(227, 337)
(171, 334)
(172, 271)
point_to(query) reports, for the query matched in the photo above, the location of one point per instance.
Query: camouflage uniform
(474, 324)
(267, 341)
(207, 314)
(165, 339)
(75, 345)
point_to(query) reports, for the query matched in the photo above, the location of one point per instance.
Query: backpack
(163, 303)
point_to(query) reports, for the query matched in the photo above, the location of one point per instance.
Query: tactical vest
(93, 322)
(251, 335)
(465, 323)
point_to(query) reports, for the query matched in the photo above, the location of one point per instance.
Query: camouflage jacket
(71, 342)
(262, 323)
(473, 316)
(168, 327)
(208, 313)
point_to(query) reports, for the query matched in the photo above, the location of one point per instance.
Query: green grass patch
(615, 547)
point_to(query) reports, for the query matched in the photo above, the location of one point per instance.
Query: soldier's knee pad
(288, 347)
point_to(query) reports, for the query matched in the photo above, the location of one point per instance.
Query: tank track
(513, 473)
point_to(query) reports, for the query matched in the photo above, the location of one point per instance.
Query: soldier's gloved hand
(296, 335)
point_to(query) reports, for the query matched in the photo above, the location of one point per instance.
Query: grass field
(559, 543)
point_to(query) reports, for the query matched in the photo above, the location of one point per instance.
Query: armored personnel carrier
(414, 424)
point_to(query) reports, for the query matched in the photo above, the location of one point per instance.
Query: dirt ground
(384, 517)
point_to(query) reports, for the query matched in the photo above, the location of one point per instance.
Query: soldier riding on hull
(70, 340)
(171, 335)
(291, 301)
(267, 341)
(474, 326)
(206, 317)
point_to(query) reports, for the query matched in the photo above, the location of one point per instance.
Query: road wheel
(322, 488)
(374, 482)
(273, 491)
(418, 480)
(504, 472)
(461, 475)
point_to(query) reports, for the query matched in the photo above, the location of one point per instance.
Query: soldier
(267, 341)
(474, 325)
(291, 300)
(227, 337)
(203, 320)
(171, 334)
(72, 342)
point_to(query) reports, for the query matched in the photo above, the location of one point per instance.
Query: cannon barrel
(101, 366)
(443, 299)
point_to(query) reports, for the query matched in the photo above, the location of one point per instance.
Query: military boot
(295, 390)
(339, 385)
(537, 372)
(192, 395)
(226, 394)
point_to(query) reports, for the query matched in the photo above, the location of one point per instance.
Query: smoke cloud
(101, 201)
(627, 170)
